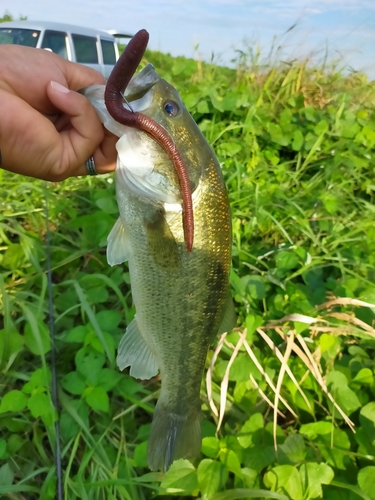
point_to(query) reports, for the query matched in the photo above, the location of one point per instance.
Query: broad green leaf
(210, 447)
(13, 257)
(252, 323)
(366, 481)
(108, 378)
(39, 405)
(362, 114)
(48, 491)
(108, 205)
(367, 420)
(74, 383)
(181, 478)
(13, 401)
(249, 433)
(368, 412)
(369, 134)
(321, 127)
(297, 141)
(89, 363)
(313, 475)
(97, 398)
(310, 113)
(326, 342)
(3, 447)
(108, 320)
(37, 340)
(76, 334)
(203, 107)
(300, 327)
(330, 202)
(250, 477)
(364, 376)
(216, 100)
(231, 461)
(229, 149)
(255, 286)
(259, 457)
(92, 339)
(15, 443)
(285, 478)
(143, 432)
(41, 378)
(11, 343)
(294, 448)
(277, 134)
(95, 227)
(355, 350)
(208, 428)
(241, 368)
(239, 493)
(212, 476)
(6, 475)
(140, 454)
(191, 100)
(349, 129)
(286, 260)
(316, 428)
(229, 102)
(241, 389)
(337, 380)
(179, 67)
(347, 399)
(68, 425)
(335, 448)
(301, 403)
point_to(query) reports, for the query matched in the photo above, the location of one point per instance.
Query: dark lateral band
(1, 158)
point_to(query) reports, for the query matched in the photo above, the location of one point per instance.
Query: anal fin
(134, 352)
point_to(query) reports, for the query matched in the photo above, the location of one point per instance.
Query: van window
(19, 36)
(85, 47)
(56, 41)
(109, 54)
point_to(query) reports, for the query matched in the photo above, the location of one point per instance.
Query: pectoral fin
(161, 243)
(229, 319)
(134, 352)
(118, 250)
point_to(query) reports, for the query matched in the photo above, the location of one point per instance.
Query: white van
(96, 49)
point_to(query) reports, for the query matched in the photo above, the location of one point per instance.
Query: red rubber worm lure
(113, 97)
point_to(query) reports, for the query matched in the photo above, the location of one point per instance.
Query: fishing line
(127, 102)
(53, 352)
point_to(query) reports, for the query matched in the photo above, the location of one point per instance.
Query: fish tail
(172, 437)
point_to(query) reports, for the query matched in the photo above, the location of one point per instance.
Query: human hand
(47, 129)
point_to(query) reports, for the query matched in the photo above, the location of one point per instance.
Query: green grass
(296, 143)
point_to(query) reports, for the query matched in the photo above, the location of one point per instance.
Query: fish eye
(171, 108)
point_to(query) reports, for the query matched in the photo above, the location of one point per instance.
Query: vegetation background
(296, 143)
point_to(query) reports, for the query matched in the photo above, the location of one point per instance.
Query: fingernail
(59, 87)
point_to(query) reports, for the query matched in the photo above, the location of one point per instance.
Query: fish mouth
(141, 83)
(135, 167)
(117, 84)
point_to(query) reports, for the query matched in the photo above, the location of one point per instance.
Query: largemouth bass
(181, 297)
